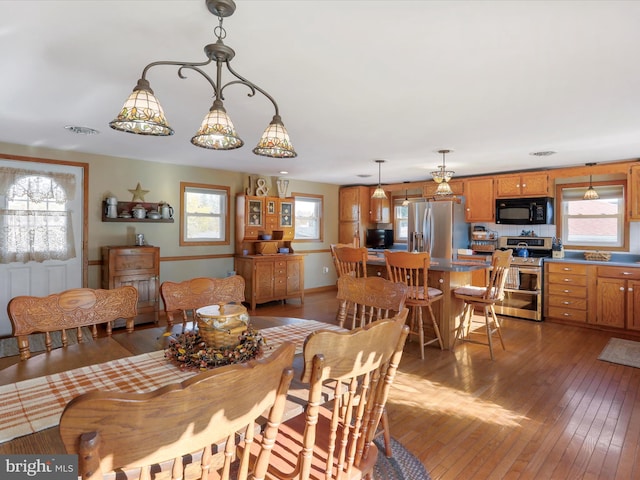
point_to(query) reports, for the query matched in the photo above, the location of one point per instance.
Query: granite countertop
(617, 259)
(437, 264)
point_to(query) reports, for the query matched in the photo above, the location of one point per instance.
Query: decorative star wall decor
(138, 193)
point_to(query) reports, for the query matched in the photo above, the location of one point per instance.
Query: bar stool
(486, 298)
(412, 268)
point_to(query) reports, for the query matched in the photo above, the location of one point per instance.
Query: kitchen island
(446, 275)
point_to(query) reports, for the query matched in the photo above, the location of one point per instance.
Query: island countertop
(438, 264)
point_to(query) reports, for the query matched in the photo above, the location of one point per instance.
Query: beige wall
(115, 176)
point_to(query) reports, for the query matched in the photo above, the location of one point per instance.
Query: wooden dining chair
(184, 298)
(70, 310)
(485, 298)
(350, 261)
(177, 430)
(412, 268)
(335, 441)
(369, 299)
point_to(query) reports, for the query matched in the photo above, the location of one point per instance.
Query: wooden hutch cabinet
(268, 273)
(138, 267)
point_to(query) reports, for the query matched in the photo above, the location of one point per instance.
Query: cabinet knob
(566, 291)
(622, 289)
(567, 269)
(631, 289)
(627, 273)
(566, 303)
(566, 314)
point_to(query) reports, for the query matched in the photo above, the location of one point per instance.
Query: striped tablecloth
(33, 405)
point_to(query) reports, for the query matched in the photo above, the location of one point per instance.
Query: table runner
(32, 405)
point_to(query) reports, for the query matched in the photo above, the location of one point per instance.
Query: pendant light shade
(591, 193)
(405, 202)
(379, 191)
(442, 176)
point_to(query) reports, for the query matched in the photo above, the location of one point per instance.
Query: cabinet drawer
(568, 314)
(567, 279)
(573, 268)
(567, 290)
(619, 272)
(567, 302)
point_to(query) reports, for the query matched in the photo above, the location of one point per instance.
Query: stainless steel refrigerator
(437, 227)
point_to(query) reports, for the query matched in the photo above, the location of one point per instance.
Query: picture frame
(271, 207)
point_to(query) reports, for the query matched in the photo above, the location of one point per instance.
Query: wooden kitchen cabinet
(138, 267)
(379, 208)
(523, 185)
(633, 182)
(479, 200)
(618, 297)
(271, 277)
(353, 214)
(566, 291)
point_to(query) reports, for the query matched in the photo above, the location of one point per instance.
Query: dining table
(33, 392)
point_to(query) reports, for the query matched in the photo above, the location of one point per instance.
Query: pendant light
(405, 202)
(379, 191)
(142, 113)
(442, 177)
(591, 193)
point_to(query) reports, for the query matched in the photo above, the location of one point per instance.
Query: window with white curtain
(36, 225)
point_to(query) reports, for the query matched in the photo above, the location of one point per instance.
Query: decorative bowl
(154, 215)
(265, 236)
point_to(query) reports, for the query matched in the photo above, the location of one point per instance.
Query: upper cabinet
(353, 214)
(257, 216)
(634, 192)
(479, 200)
(380, 208)
(430, 187)
(523, 185)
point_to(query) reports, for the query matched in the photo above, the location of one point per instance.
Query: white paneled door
(40, 277)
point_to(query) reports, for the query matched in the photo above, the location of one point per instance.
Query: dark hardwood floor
(545, 408)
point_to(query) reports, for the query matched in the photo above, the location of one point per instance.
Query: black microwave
(524, 211)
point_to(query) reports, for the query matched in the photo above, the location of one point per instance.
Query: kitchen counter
(439, 264)
(617, 259)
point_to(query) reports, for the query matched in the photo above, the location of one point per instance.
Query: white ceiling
(355, 81)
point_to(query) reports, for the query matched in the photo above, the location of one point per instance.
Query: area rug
(623, 352)
(403, 465)
(9, 346)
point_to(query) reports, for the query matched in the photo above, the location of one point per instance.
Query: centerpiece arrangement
(223, 337)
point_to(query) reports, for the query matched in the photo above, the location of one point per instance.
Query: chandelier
(379, 191)
(442, 177)
(143, 115)
(591, 193)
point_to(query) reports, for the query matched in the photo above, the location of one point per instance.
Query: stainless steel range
(523, 290)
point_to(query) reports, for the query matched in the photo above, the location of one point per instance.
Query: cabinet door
(147, 286)
(611, 294)
(508, 186)
(349, 204)
(286, 215)
(634, 193)
(535, 184)
(264, 276)
(380, 208)
(294, 276)
(347, 231)
(633, 305)
(480, 202)
(255, 212)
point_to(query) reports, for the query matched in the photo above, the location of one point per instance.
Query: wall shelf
(127, 206)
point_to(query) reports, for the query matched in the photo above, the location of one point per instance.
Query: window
(592, 224)
(36, 224)
(401, 222)
(308, 213)
(205, 214)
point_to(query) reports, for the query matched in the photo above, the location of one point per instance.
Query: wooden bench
(182, 297)
(75, 308)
